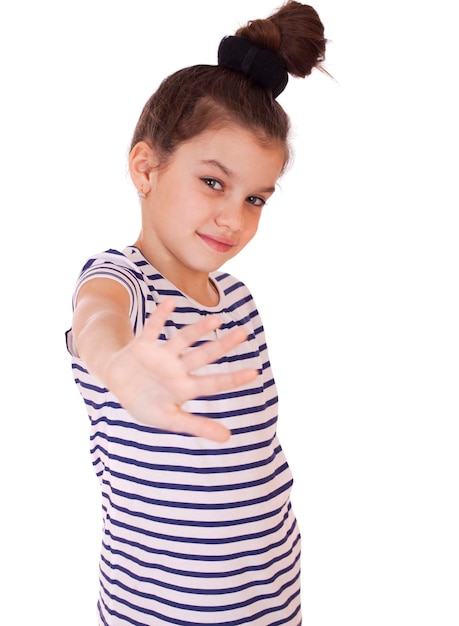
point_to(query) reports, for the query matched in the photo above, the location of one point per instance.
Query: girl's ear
(141, 165)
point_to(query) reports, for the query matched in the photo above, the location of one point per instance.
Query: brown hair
(201, 97)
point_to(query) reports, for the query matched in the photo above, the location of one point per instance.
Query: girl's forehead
(235, 142)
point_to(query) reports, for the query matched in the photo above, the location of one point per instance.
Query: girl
(170, 357)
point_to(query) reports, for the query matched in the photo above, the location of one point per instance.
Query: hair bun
(263, 66)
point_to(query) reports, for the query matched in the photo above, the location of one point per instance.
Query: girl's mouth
(217, 243)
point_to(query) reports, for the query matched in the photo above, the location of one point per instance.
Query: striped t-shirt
(194, 532)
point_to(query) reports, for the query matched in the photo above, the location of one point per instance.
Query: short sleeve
(115, 266)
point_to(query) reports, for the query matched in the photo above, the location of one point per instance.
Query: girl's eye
(256, 201)
(213, 183)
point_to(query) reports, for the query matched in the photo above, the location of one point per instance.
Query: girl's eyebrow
(220, 166)
(231, 174)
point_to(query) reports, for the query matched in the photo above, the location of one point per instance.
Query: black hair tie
(263, 66)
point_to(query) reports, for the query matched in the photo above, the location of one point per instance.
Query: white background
(354, 269)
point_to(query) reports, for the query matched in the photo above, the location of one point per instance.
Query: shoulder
(111, 258)
(237, 297)
(232, 288)
(230, 284)
(114, 265)
(111, 264)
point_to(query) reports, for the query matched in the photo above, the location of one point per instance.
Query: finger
(157, 319)
(196, 425)
(211, 351)
(190, 334)
(207, 385)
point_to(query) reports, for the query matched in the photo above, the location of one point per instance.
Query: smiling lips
(219, 244)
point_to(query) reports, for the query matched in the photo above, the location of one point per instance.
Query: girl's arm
(152, 380)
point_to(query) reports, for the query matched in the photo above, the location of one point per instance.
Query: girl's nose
(231, 216)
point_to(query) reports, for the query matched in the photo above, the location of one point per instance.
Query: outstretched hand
(152, 380)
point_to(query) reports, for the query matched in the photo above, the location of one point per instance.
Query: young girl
(170, 357)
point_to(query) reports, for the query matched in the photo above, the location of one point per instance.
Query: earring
(141, 194)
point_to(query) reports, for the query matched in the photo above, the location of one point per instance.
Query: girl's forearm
(100, 338)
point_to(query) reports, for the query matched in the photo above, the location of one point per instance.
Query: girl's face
(205, 205)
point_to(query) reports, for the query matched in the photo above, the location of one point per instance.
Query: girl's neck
(199, 287)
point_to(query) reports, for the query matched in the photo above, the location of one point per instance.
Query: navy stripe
(156, 565)
(197, 488)
(164, 467)
(253, 582)
(180, 450)
(209, 558)
(199, 506)
(230, 608)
